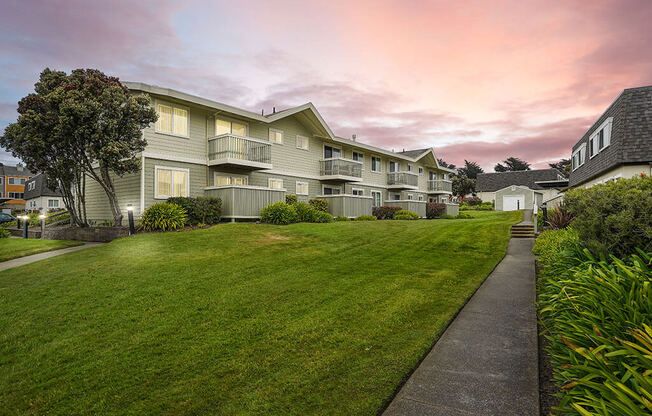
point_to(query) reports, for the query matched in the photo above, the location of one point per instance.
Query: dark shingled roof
(15, 171)
(41, 188)
(631, 135)
(491, 182)
(413, 153)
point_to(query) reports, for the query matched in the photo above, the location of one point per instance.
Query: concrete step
(522, 235)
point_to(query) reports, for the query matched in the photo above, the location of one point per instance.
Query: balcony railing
(397, 179)
(440, 185)
(237, 150)
(338, 167)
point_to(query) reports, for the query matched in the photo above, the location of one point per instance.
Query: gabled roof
(40, 189)
(525, 188)
(491, 182)
(17, 170)
(306, 113)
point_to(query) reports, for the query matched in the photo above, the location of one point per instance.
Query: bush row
(200, 210)
(282, 213)
(595, 314)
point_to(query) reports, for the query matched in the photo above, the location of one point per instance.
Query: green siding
(97, 204)
(197, 178)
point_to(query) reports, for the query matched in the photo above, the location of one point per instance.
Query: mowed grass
(323, 319)
(11, 248)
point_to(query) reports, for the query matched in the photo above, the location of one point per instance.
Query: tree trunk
(113, 199)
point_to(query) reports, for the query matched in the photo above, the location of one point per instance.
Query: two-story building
(618, 144)
(201, 147)
(39, 197)
(12, 186)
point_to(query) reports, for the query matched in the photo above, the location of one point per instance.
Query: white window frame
(307, 142)
(353, 153)
(173, 169)
(578, 152)
(269, 182)
(593, 140)
(395, 199)
(1, 179)
(296, 188)
(607, 125)
(243, 123)
(380, 199)
(230, 177)
(173, 106)
(389, 166)
(410, 197)
(323, 151)
(53, 206)
(333, 187)
(354, 190)
(420, 171)
(420, 198)
(276, 131)
(410, 168)
(380, 164)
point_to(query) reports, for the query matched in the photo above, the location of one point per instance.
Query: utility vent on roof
(353, 137)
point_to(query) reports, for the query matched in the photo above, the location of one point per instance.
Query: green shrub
(319, 204)
(342, 218)
(614, 217)
(385, 213)
(463, 216)
(291, 199)
(305, 212)
(163, 216)
(595, 315)
(323, 217)
(404, 214)
(208, 210)
(4, 233)
(279, 213)
(435, 209)
(188, 204)
(472, 201)
(447, 217)
(464, 207)
(552, 247)
(365, 218)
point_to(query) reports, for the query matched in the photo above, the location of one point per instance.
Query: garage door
(513, 203)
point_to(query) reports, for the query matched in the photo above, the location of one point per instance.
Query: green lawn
(11, 248)
(239, 318)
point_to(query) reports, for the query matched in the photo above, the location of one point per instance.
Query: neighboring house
(518, 187)
(201, 147)
(618, 144)
(12, 186)
(39, 197)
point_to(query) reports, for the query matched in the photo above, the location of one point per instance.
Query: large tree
(512, 164)
(443, 164)
(563, 166)
(462, 185)
(85, 122)
(470, 170)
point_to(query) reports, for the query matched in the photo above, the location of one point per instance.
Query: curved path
(486, 362)
(21, 261)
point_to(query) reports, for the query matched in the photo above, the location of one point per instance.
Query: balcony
(439, 186)
(402, 180)
(228, 150)
(243, 201)
(340, 169)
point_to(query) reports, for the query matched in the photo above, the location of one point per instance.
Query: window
(420, 197)
(358, 157)
(1, 180)
(579, 157)
(433, 176)
(410, 197)
(410, 168)
(16, 181)
(276, 136)
(53, 203)
(229, 127)
(223, 180)
(393, 166)
(302, 188)
(358, 192)
(377, 196)
(31, 186)
(444, 176)
(396, 197)
(331, 152)
(331, 190)
(420, 171)
(170, 182)
(16, 195)
(593, 146)
(375, 164)
(172, 120)
(302, 142)
(275, 183)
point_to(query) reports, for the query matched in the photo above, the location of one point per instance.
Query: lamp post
(42, 217)
(130, 214)
(25, 226)
(544, 213)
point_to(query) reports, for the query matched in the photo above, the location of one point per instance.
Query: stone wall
(97, 234)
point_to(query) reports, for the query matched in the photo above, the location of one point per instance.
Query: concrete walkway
(486, 362)
(21, 261)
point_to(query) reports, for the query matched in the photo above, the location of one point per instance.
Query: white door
(513, 203)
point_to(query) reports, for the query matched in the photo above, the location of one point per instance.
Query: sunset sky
(478, 80)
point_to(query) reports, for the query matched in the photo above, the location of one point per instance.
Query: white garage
(516, 197)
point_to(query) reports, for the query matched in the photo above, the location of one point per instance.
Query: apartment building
(618, 144)
(12, 185)
(39, 197)
(200, 147)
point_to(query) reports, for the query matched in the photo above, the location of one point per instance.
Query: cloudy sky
(481, 80)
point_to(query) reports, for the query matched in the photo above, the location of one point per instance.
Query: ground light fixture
(42, 217)
(25, 226)
(130, 214)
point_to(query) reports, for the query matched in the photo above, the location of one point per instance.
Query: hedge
(319, 204)
(200, 210)
(435, 209)
(385, 213)
(404, 214)
(163, 216)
